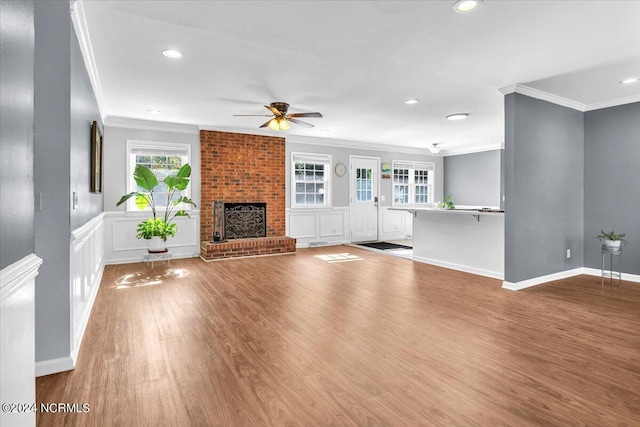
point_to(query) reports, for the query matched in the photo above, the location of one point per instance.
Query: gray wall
(64, 109)
(52, 165)
(16, 131)
(115, 158)
(340, 185)
(544, 180)
(84, 110)
(612, 182)
(473, 179)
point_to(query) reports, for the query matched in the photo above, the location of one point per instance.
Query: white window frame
(412, 166)
(130, 163)
(316, 158)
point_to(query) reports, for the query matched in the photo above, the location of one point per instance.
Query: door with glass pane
(364, 199)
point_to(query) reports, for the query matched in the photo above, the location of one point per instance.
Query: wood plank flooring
(296, 340)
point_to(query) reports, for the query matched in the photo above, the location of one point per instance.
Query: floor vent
(312, 244)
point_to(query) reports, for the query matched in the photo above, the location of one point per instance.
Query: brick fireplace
(243, 168)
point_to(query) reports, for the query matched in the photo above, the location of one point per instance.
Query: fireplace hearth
(239, 220)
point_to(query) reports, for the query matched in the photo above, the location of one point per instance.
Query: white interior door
(364, 198)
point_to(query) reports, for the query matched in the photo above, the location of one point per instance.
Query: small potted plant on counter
(447, 204)
(158, 228)
(611, 238)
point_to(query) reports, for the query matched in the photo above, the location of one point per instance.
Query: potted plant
(611, 238)
(447, 204)
(159, 227)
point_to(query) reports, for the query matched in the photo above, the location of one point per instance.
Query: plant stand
(153, 256)
(611, 274)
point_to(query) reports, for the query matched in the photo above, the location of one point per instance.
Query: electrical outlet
(504, 198)
(568, 253)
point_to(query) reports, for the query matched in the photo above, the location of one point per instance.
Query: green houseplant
(611, 238)
(447, 204)
(160, 226)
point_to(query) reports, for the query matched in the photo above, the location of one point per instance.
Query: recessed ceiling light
(154, 112)
(171, 53)
(325, 130)
(457, 116)
(628, 81)
(412, 101)
(464, 6)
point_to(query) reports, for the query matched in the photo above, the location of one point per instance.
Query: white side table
(163, 256)
(611, 273)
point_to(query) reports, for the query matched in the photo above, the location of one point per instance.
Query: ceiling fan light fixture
(464, 6)
(434, 149)
(457, 116)
(274, 125)
(283, 124)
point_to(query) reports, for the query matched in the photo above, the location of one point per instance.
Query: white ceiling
(356, 62)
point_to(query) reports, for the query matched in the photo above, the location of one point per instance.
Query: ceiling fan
(280, 119)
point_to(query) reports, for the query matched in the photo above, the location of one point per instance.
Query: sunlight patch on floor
(344, 257)
(136, 280)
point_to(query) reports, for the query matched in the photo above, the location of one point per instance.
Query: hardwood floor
(297, 340)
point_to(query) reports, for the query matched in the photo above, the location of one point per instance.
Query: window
(364, 185)
(412, 183)
(310, 180)
(163, 159)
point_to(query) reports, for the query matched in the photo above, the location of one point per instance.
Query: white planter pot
(612, 243)
(156, 244)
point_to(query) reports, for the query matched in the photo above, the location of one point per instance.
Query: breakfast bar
(470, 240)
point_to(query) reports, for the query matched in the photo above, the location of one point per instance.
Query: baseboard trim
(625, 276)
(307, 245)
(542, 279)
(138, 259)
(54, 366)
(459, 267)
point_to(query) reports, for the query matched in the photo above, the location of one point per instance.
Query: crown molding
(613, 103)
(128, 123)
(565, 102)
(79, 21)
(327, 142)
(542, 95)
(478, 149)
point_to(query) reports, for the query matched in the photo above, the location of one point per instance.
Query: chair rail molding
(17, 334)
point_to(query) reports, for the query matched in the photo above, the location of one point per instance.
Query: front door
(364, 198)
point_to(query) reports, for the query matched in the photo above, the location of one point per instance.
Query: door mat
(385, 246)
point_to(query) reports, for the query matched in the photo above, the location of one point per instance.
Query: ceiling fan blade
(251, 115)
(266, 124)
(300, 122)
(273, 110)
(305, 115)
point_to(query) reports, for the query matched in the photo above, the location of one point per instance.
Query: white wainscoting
(394, 225)
(17, 334)
(121, 245)
(319, 227)
(87, 265)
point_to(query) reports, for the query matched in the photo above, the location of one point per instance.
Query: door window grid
(364, 182)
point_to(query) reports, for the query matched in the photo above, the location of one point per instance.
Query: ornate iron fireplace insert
(239, 220)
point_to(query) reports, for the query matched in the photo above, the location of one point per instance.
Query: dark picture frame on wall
(96, 158)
